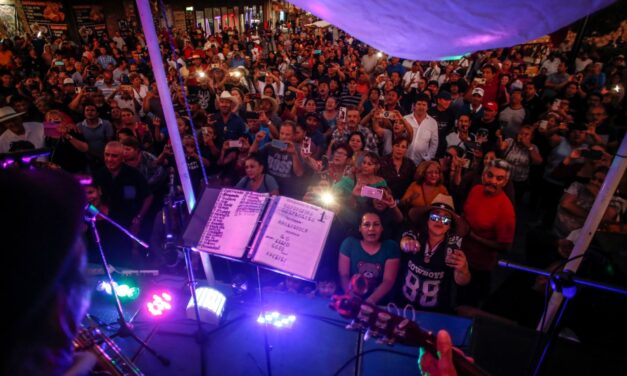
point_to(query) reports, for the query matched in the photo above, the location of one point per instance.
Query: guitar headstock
(380, 324)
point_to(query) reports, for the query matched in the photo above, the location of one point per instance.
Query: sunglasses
(440, 218)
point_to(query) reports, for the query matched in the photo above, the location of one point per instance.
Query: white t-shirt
(409, 75)
(33, 132)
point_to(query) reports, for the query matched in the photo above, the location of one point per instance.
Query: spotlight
(616, 88)
(160, 304)
(327, 198)
(379, 54)
(210, 305)
(122, 290)
(276, 319)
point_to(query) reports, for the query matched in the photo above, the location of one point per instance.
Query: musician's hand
(431, 366)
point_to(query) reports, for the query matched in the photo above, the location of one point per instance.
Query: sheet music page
(232, 222)
(292, 237)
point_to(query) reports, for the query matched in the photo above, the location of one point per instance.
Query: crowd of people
(430, 163)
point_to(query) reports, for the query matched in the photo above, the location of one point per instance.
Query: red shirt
(492, 218)
(490, 90)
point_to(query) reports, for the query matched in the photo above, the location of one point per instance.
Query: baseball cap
(68, 81)
(290, 95)
(444, 95)
(492, 106)
(477, 91)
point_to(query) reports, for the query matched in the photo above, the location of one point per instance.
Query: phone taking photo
(279, 144)
(341, 116)
(306, 149)
(593, 155)
(235, 143)
(376, 193)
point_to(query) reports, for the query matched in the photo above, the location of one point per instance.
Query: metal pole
(577, 45)
(614, 176)
(152, 42)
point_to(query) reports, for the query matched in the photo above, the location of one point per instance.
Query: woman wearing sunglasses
(433, 258)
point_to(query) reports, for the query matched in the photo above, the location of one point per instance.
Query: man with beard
(228, 125)
(492, 220)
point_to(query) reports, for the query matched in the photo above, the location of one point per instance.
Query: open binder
(279, 233)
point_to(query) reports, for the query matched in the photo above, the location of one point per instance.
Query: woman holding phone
(434, 260)
(376, 260)
(364, 183)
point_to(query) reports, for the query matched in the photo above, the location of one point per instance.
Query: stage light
(123, 290)
(161, 303)
(276, 319)
(210, 305)
(327, 198)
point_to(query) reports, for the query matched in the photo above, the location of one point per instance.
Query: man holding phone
(282, 160)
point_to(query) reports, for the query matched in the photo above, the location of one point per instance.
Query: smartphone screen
(279, 144)
(306, 149)
(235, 143)
(342, 114)
(376, 193)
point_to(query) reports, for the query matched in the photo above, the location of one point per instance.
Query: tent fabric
(434, 30)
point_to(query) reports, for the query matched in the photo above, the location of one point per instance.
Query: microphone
(91, 212)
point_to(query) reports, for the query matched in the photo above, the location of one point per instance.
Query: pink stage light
(160, 304)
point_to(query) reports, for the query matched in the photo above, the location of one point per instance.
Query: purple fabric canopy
(432, 30)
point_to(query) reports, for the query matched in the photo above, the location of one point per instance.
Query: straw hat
(441, 202)
(275, 104)
(7, 113)
(226, 95)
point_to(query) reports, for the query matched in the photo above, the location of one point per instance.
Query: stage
(317, 344)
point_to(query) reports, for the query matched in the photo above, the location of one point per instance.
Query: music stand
(262, 222)
(125, 330)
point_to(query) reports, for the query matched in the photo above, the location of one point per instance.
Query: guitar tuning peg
(371, 334)
(389, 341)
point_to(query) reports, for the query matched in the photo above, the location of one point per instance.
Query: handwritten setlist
(232, 222)
(292, 237)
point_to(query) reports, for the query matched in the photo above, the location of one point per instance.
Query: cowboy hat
(8, 112)
(226, 95)
(275, 104)
(441, 202)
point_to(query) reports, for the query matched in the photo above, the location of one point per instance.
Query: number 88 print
(428, 295)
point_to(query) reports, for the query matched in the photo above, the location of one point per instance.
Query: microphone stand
(565, 283)
(125, 330)
(173, 212)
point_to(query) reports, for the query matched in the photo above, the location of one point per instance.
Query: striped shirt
(348, 100)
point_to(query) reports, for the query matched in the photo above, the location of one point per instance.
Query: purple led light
(160, 304)
(276, 319)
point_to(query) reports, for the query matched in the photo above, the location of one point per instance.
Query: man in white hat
(16, 130)
(228, 125)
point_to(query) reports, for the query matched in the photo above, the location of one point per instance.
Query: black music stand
(191, 238)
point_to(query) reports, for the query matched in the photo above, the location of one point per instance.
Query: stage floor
(317, 344)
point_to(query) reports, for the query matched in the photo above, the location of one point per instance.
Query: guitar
(389, 328)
